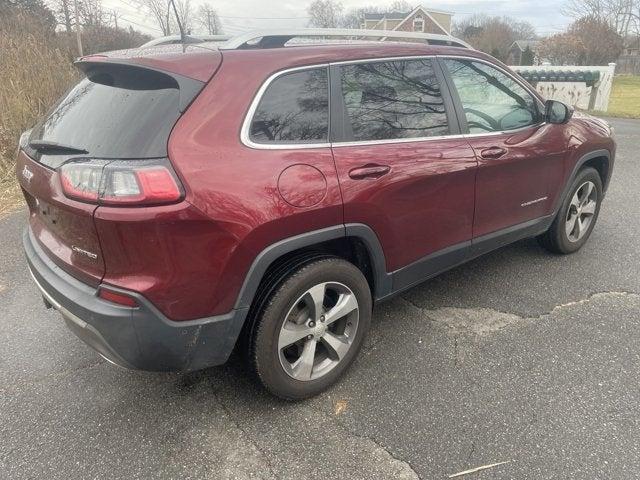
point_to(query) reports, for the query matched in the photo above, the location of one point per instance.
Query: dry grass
(35, 72)
(10, 195)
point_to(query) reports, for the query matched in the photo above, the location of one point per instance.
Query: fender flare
(576, 168)
(271, 253)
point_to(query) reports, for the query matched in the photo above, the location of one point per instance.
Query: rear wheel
(311, 328)
(577, 216)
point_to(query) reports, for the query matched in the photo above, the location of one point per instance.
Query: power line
(141, 25)
(135, 7)
(265, 18)
(126, 8)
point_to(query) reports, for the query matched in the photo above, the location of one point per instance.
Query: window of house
(294, 108)
(393, 100)
(492, 100)
(418, 24)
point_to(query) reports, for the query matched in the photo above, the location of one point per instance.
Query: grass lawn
(625, 97)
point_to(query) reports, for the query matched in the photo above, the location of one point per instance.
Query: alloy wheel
(318, 331)
(581, 211)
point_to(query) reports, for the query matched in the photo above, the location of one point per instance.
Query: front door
(518, 157)
(403, 168)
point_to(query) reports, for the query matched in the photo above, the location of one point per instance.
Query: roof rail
(276, 38)
(177, 39)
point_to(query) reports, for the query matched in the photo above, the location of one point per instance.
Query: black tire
(265, 355)
(556, 239)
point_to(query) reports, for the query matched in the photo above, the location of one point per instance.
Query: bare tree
(185, 13)
(602, 44)
(493, 35)
(208, 19)
(524, 30)
(163, 16)
(621, 15)
(92, 14)
(585, 8)
(588, 41)
(399, 6)
(63, 11)
(354, 18)
(325, 13)
(160, 13)
(562, 49)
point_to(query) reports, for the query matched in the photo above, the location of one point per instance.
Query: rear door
(115, 113)
(403, 169)
(518, 155)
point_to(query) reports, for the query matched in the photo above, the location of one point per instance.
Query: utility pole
(78, 36)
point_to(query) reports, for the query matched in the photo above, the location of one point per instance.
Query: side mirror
(557, 112)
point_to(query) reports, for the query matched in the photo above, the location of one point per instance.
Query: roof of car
(199, 61)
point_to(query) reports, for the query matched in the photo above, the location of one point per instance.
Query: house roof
(523, 44)
(402, 15)
(388, 16)
(420, 8)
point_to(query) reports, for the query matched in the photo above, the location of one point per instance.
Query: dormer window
(418, 24)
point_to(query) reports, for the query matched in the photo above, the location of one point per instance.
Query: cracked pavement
(518, 356)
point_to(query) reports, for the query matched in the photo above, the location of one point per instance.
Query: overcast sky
(242, 15)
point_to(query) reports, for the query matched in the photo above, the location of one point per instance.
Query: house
(517, 49)
(632, 46)
(420, 19)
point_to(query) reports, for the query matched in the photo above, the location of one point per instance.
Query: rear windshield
(115, 112)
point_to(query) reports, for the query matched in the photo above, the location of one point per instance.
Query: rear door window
(393, 100)
(293, 109)
(115, 112)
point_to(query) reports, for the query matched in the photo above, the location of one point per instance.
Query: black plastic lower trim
(506, 236)
(141, 338)
(270, 254)
(448, 258)
(430, 266)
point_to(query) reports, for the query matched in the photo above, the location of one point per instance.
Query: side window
(293, 109)
(492, 100)
(393, 100)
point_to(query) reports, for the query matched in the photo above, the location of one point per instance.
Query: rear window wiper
(49, 146)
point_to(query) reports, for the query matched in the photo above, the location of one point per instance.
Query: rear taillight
(81, 181)
(121, 183)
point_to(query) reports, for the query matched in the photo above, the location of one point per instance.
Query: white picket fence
(577, 94)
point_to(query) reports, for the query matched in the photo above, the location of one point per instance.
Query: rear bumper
(138, 338)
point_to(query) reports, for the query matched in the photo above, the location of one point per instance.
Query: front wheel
(312, 328)
(577, 216)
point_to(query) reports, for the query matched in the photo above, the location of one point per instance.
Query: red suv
(187, 200)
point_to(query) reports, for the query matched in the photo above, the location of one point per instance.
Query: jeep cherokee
(185, 200)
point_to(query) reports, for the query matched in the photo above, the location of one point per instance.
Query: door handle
(369, 171)
(493, 152)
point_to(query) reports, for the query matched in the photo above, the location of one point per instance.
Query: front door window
(492, 100)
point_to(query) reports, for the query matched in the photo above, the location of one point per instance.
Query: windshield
(115, 112)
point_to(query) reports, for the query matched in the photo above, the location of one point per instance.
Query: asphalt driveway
(520, 357)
